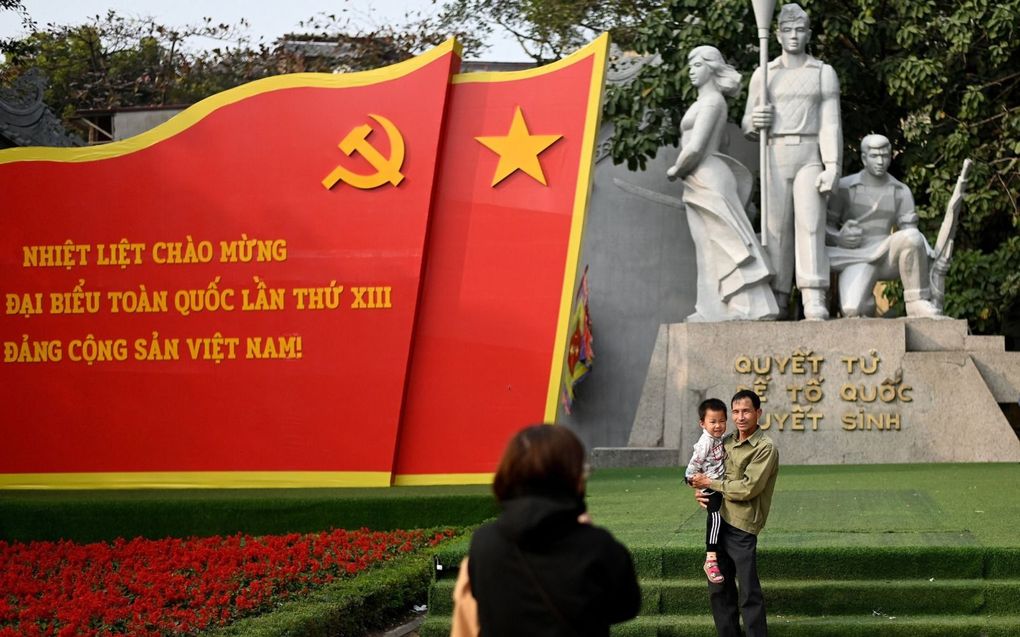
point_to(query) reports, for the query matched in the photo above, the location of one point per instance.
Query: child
(709, 458)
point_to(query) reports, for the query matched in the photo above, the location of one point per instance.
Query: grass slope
(848, 551)
(370, 601)
(814, 506)
(837, 539)
(828, 506)
(89, 516)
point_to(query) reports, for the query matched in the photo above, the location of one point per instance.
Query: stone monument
(843, 391)
(799, 114)
(865, 249)
(733, 274)
(834, 392)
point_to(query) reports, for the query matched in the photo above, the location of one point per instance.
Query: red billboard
(502, 260)
(236, 298)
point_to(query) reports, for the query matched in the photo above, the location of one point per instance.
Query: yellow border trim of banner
(196, 480)
(433, 479)
(598, 47)
(600, 50)
(231, 480)
(195, 113)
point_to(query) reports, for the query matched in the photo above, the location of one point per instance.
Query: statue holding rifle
(873, 237)
(800, 118)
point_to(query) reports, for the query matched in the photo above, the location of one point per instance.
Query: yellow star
(518, 150)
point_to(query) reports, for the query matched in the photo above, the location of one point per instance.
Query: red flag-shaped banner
(228, 299)
(310, 280)
(502, 261)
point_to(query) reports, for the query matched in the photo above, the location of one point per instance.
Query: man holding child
(751, 467)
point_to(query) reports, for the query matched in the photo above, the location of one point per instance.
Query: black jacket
(587, 575)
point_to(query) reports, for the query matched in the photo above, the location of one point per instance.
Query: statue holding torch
(793, 110)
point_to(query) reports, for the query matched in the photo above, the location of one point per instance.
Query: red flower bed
(174, 587)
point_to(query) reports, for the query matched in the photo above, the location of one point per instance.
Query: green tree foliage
(18, 7)
(112, 61)
(548, 29)
(941, 79)
(368, 45)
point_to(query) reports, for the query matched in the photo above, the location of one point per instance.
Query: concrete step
(1001, 372)
(622, 457)
(822, 597)
(821, 563)
(978, 343)
(930, 335)
(871, 625)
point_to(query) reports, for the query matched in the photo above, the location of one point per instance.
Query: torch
(763, 10)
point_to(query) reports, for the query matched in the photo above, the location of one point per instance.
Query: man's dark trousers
(738, 561)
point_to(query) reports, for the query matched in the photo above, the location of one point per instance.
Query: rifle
(946, 239)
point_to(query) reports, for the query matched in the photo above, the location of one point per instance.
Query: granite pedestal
(834, 392)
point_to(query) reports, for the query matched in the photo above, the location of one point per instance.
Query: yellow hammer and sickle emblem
(387, 169)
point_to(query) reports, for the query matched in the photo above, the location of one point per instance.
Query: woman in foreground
(542, 568)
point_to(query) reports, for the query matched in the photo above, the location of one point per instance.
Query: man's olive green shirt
(751, 470)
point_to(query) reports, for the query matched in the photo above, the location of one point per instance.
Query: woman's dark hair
(540, 460)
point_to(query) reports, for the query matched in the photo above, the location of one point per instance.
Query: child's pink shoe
(715, 576)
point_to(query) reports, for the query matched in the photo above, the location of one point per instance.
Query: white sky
(267, 18)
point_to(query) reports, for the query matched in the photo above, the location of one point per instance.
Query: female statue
(733, 274)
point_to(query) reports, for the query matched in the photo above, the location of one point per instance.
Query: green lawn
(819, 506)
(849, 551)
(942, 539)
(88, 516)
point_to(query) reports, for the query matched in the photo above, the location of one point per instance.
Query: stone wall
(642, 274)
(834, 392)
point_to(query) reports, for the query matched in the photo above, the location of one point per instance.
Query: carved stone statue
(800, 115)
(864, 248)
(733, 274)
(947, 236)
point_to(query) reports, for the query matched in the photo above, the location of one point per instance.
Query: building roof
(25, 120)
